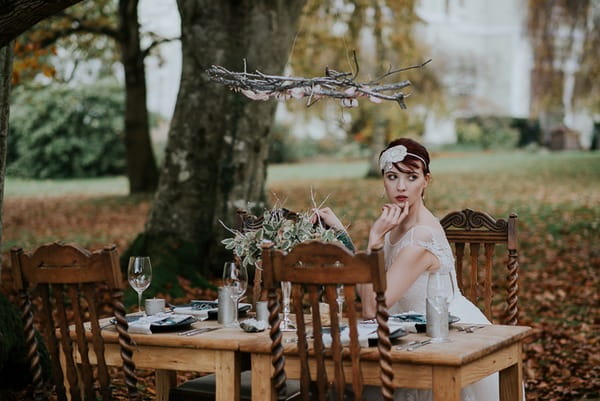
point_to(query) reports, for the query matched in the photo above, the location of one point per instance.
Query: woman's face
(405, 184)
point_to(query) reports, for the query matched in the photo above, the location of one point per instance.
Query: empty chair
(65, 281)
(481, 232)
(314, 269)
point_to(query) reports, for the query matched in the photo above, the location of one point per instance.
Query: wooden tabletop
(462, 348)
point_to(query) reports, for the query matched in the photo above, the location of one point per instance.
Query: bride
(414, 244)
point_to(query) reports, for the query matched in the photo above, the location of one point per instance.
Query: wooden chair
(64, 280)
(313, 267)
(480, 230)
(204, 388)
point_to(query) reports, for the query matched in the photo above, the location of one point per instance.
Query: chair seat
(204, 389)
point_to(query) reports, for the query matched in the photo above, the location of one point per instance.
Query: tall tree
(216, 155)
(86, 27)
(383, 34)
(565, 37)
(16, 17)
(6, 56)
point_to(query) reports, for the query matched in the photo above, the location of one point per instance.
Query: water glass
(440, 291)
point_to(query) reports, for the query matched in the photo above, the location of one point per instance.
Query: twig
(335, 84)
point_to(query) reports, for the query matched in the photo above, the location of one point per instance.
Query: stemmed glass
(440, 291)
(286, 291)
(139, 274)
(340, 301)
(236, 278)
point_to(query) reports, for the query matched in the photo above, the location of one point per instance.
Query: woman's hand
(327, 216)
(391, 216)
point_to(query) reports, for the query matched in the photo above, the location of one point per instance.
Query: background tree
(565, 37)
(88, 31)
(383, 33)
(216, 155)
(16, 17)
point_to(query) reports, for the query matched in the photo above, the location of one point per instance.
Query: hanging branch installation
(338, 85)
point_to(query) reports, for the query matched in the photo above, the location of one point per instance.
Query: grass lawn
(556, 196)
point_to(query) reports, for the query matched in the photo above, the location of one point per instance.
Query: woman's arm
(408, 265)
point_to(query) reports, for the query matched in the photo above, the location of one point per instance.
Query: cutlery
(418, 345)
(401, 347)
(469, 329)
(201, 330)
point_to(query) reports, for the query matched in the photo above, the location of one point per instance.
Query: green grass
(551, 166)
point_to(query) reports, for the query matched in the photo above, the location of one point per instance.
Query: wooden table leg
(446, 383)
(165, 381)
(511, 381)
(261, 377)
(228, 371)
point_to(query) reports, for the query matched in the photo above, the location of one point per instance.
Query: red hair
(415, 148)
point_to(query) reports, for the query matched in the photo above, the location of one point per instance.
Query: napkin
(200, 314)
(142, 325)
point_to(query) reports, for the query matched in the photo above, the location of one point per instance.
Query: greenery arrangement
(283, 228)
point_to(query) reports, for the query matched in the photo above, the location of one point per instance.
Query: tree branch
(156, 43)
(16, 16)
(337, 85)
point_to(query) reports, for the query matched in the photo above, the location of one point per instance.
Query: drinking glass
(340, 301)
(440, 291)
(236, 278)
(139, 274)
(286, 291)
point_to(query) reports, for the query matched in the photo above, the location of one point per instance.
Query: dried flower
(284, 232)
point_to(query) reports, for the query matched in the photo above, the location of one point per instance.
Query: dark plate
(422, 327)
(166, 325)
(242, 309)
(399, 332)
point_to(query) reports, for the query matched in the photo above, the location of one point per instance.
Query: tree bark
(6, 56)
(141, 164)
(216, 155)
(16, 16)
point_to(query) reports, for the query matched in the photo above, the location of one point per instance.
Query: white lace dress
(414, 300)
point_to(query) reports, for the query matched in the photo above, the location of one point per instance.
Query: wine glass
(286, 291)
(236, 278)
(139, 274)
(440, 291)
(340, 300)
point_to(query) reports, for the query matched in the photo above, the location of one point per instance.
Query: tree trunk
(216, 155)
(6, 56)
(16, 16)
(141, 164)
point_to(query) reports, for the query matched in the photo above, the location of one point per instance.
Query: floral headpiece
(396, 154)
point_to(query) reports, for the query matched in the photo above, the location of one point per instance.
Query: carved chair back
(65, 282)
(481, 232)
(314, 268)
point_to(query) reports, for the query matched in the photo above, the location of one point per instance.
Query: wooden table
(216, 351)
(445, 368)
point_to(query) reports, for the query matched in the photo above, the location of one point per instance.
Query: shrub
(488, 132)
(63, 132)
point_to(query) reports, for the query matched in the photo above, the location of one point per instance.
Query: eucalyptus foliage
(284, 233)
(62, 132)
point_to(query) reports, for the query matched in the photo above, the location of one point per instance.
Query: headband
(396, 154)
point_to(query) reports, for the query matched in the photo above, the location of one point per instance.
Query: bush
(64, 132)
(488, 132)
